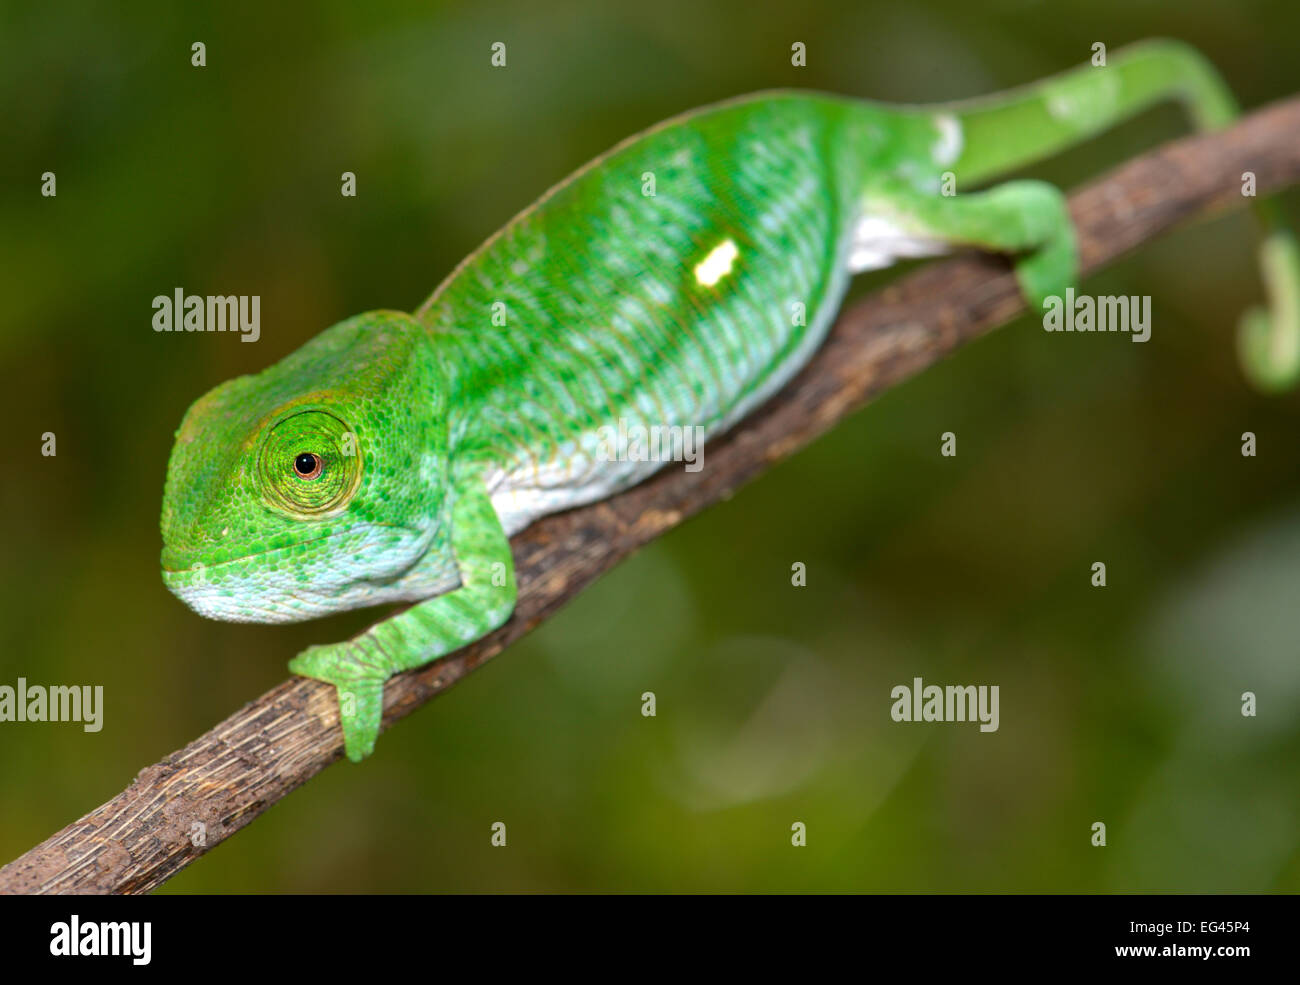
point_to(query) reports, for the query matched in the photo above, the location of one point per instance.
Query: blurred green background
(1118, 705)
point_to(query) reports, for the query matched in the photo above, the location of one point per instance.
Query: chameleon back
(678, 280)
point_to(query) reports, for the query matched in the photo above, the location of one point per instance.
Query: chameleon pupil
(307, 465)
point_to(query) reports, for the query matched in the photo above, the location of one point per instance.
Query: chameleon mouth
(223, 592)
(262, 587)
(170, 566)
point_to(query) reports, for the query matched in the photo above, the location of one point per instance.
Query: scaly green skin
(391, 458)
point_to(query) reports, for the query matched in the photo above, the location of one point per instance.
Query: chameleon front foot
(359, 679)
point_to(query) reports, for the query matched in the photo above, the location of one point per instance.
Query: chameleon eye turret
(315, 483)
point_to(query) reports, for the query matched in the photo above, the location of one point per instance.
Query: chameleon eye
(308, 465)
(309, 484)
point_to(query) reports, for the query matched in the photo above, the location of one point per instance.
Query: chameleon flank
(391, 458)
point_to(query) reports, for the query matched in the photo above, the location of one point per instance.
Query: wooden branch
(227, 777)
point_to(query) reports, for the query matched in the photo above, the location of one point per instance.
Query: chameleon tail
(1011, 129)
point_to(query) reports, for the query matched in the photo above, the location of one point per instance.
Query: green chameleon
(679, 279)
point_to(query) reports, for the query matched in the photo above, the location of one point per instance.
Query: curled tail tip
(1258, 352)
(1268, 341)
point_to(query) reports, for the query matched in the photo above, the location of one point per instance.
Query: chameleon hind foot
(1027, 219)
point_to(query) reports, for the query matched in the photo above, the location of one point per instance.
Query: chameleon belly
(679, 281)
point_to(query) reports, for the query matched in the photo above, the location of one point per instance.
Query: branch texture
(228, 776)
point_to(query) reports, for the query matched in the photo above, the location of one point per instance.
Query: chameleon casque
(391, 458)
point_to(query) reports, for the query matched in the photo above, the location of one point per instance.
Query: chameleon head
(313, 486)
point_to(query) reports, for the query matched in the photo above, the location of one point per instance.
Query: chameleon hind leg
(1006, 131)
(359, 667)
(1026, 218)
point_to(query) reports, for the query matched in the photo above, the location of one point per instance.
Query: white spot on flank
(1059, 107)
(717, 264)
(946, 149)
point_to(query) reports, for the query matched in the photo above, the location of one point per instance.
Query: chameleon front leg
(1026, 218)
(359, 667)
